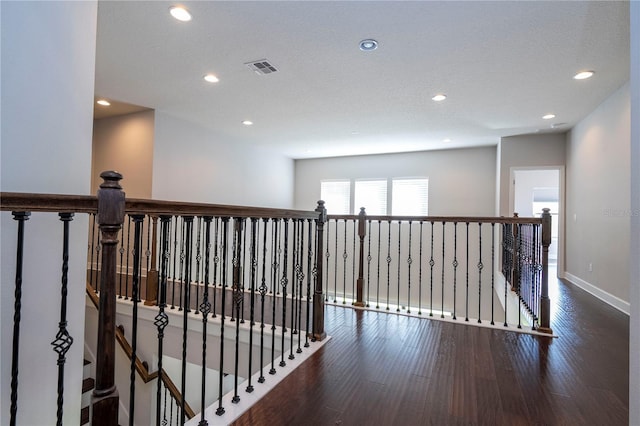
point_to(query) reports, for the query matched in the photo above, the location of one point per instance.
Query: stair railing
(442, 266)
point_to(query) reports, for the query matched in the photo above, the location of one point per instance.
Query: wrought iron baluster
(130, 253)
(21, 217)
(300, 277)
(409, 262)
(431, 264)
(216, 261)
(335, 266)
(238, 248)
(399, 261)
(198, 262)
(480, 267)
(388, 262)
(378, 265)
(493, 269)
(294, 281)
(353, 264)
(175, 257)
(420, 275)
(242, 273)
(63, 341)
(137, 254)
(519, 270)
(263, 292)
(186, 282)
(225, 235)
(182, 264)
(205, 309)
(443, 256)
(466, 312)
(368, 265)
(274, 300)
(310, 271)
(327, 255)
(506, 233)
(284, 282)
(121, 250)
(161, 319)
(252, 294)
(455, 265)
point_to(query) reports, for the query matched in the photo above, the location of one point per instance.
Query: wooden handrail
(457, 219)
(21, 201)
(141, 366)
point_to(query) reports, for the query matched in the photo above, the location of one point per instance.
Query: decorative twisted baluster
(252, 294)
(161, 319)
(455, 265)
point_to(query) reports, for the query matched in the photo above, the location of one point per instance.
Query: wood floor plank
(384, 369)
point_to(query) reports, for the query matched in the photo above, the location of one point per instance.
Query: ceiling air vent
(262, 67)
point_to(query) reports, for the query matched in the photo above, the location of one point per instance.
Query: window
(410, 197)
(372, 195)
(336, 196)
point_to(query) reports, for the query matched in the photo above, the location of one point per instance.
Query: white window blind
(372, 195)
(336, 195)
(410, 197)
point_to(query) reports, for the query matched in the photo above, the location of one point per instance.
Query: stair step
(84, 416)
(88, 384)
(86, 369)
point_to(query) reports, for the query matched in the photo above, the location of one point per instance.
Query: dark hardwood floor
(384, 369)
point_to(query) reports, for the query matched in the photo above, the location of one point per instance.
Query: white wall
(461, 181)
(124, 144)
(598, 202)
(634, 293)
(48, 67)
(192, 163)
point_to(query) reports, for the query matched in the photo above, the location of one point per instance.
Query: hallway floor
(384, 369)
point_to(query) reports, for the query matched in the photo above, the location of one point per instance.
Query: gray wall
(461, 181)
(598, 202)
(192, 163)
(536, 150)
(124, 144)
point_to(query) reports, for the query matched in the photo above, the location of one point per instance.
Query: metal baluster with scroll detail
(237, 250)
(399, 262)
(409, 262)
(466, 311)
(388, 262)
(480, 267)
(443, 256)
(378, 265)
(205, 309)
(216, 262)
(431, 264)
(493, 269)
(225, 236)
(175, 257)
(161, 319)
(186, 281)
(420, 274)
(300, 278)
(63, 340)
(252, 294)
(284, 281)
(274, 300)
(368, 298)
(263, 292)
(198, 262)
(455, 266)
(294, 282)
(311, 271)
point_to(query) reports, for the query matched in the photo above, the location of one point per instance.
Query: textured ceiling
(503, 65)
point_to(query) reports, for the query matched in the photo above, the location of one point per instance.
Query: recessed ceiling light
(439, 97)
(211, 78)
(103, 102)
(548, 116)
(446, 140)
(368, 45)
(582, 75)
(180, 13)
(247, 122)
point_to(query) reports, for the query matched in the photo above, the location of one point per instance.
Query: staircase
(88, 383)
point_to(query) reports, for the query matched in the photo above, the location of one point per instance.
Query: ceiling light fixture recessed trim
(439, 97)
(103, 102)
(211, 78)
(583, 75)
(548, 116)
(368, 44)
(180, 13)
(247, 122)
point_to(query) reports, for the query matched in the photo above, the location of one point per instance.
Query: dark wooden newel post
(151, 297)
(111, 207)
(318, 298)
(362, 232)
(545, 303)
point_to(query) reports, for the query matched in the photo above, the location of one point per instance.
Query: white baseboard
(608, 298)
